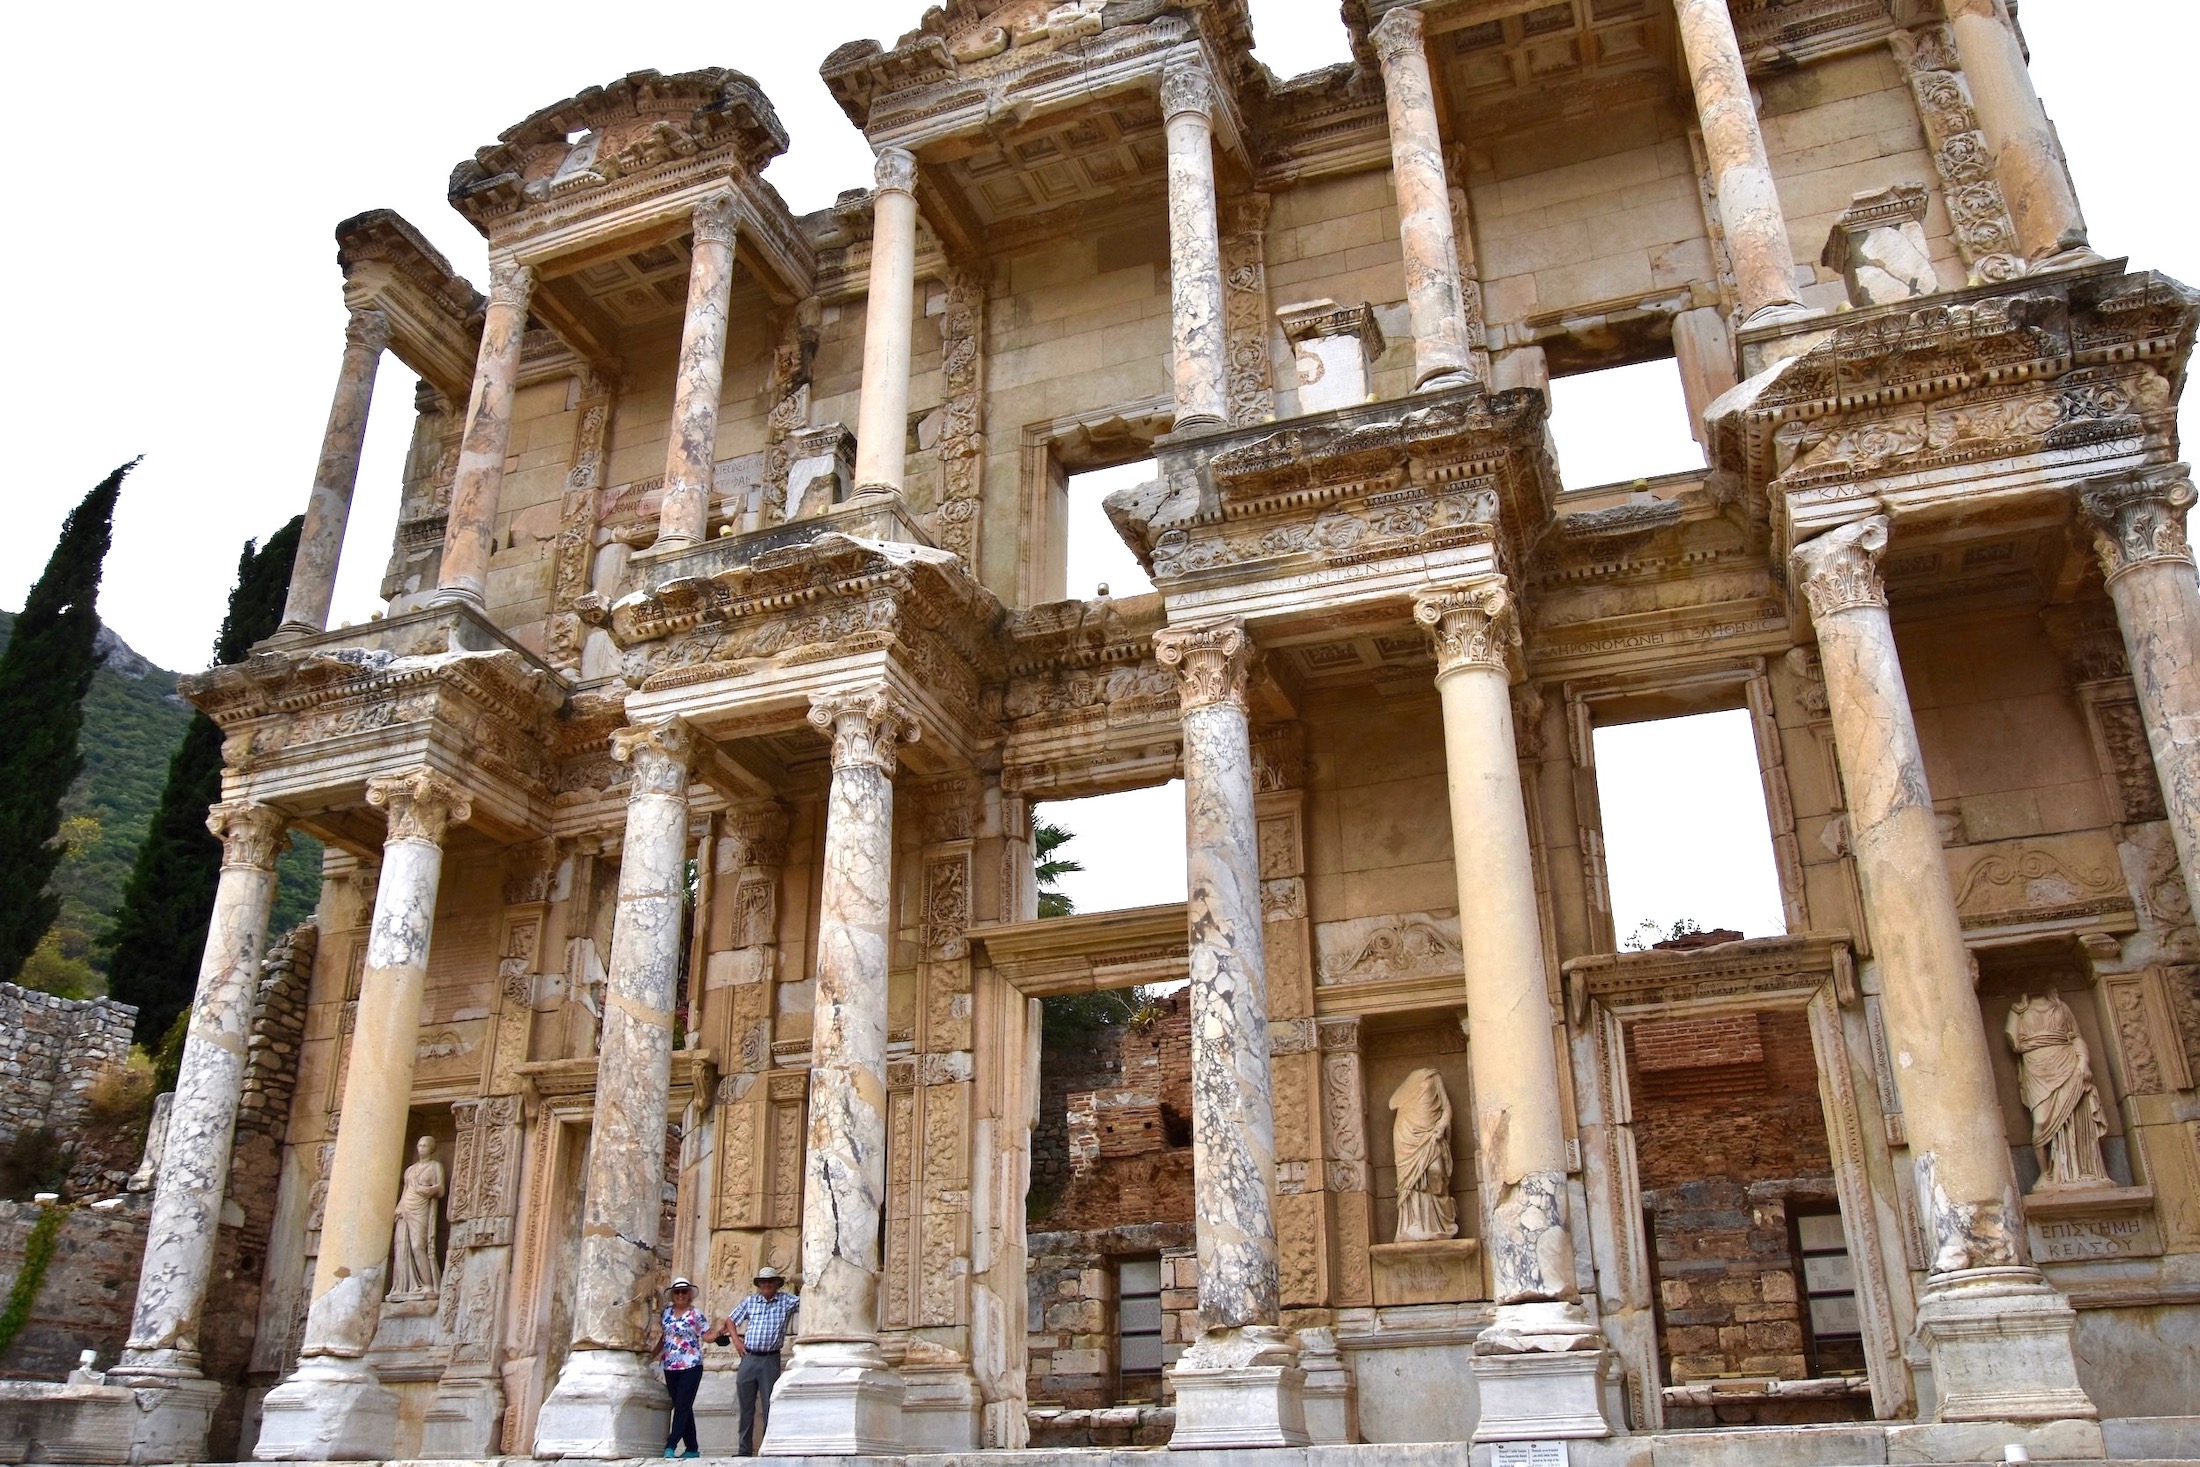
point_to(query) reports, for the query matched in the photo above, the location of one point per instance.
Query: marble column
(333, 1408)
(162, 1357)
(606, 1403)
(2027, 162)
(1741, 175)
(1540, 1362)
(882, 416)
(469, 534)
(1239, 1384)
(839, 1397)
(691, 455)
(1441, 356)
(328, 507)
(1981, 1295)
(1195, 251)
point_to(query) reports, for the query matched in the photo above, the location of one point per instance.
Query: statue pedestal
(1438, 1271)
(2003, 1348)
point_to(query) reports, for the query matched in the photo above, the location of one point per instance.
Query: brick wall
(89, 1290)
(51, 1049)
(1113, 1143)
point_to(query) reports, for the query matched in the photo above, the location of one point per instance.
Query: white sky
(1097, 555)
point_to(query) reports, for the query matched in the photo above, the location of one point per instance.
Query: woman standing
(679, 1344)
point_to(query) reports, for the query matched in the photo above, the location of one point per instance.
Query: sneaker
(691, 1454)
(671, 1452)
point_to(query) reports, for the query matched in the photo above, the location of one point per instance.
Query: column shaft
(469, 535)
(1749, 205)
(2029, 165)
(691, 454)
(328, 507)
(1195, 251)
(882, 417)
(1441, 354)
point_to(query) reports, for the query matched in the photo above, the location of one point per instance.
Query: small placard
(1530, 1454)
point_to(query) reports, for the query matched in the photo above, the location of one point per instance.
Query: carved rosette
(1839, 571)
(662, 754)
(867, 727)
(1470, 625)
(1186, 88)
(714, 220)
(1984, 231)
(1211, 663)
(252, 835)
(896, 171)
(962, 425)
(1252, 392)
(420, 804)
(1398, 37)
(368, 330)
(2139, 519)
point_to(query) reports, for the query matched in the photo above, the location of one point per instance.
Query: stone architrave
(333, 1407)
(606, 1402)
(691, 451)
(1442, 355)
(1197, 333)
(839, 1397)
(1239, 1384)
(328, 507)
(882, 417)
(1741, 175)
(2000, 1336)
(469, 534)
(2028, 162)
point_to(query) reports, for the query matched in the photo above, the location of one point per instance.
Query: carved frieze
(1380, 949)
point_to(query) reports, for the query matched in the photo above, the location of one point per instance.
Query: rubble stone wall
(51, 1050)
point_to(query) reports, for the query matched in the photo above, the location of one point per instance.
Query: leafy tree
(44, 675)
(1047, 840)
(52, 968)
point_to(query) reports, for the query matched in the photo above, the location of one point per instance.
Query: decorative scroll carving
(1839, 571)
(2139, 519)
(1212, 662)
(790, 404)
(252, 835)
(1186, 88)
(1472, 624)
(1379, 949)
(866, 727)
(896, 171)
(1984, 230)
(1251, 386)
(420, 804)
(962, 450)
(572, 560)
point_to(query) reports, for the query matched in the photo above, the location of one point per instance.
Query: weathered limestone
(333, 1407)
(1879, 246)
(882, 419)
(1239, 1385)
(1197, 333)
(1540, 1362)
(2027, 161)
(839, 1397)
(328, 507)
(2000, 1336)
(606, 1402)
(691, 454)
(1442, 356)
(469, 533)
(1749, 205)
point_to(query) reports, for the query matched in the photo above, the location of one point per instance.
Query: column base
(463, 1422)
(174, 1418)
(2002, 1347)
(838, 1398)
(1331, 1403)
(606, 1404)
(941, 1409)
(1240, 1388)
(330, 1410)
(1541, 1370)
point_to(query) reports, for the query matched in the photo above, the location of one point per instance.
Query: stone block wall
(51, 1050)
(1071, 1329)
(89, 1290)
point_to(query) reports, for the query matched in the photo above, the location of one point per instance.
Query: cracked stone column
(328, 507)
(1195, 251)
(882, 414)
(839, 1397)
(606, 1403)
(1540, 1364)
(175, 1402)
(1441, 355)
(2027, 162)
(1239, 1385)
(691, 455)
(333, 1407)
(1749, 205)
(469, 534)
(2000, 1336)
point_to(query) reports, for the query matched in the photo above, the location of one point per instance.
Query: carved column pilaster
(1749, 206)
(575, 603)
(882, 419)
(328, 506)
(790, 407)
(469, 533)
(962, 443)
(1195, 251)
(1245, 309)
(2027, 160)
(484, 1195)
(1984, 232)
(1442, 356)
(691, 451)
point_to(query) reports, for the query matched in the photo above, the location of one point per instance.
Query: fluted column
(839, 1397)
(469, 535)
(1749, 205)
(333, 1407)
(1195, 251)
(1441, 355)
(2027, 163)
(1943, 1069)
(606, 1402)
(691, 455)
(328, 507)
(882, 417)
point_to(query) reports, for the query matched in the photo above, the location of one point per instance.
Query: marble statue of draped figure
(415, 1271)
(2055, 1080)
(1421, 1142)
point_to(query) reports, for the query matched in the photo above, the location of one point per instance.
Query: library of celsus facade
(680, 902)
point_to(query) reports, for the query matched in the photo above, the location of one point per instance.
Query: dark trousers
(683, 1384)
(753, 1384)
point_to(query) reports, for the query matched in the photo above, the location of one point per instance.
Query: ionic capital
(1398, 37)
(1470, 624)
(714, 220)
(420, 804)
(511, 284)
(367, 329)
(1186, 88)
(1839, 571)
(2139, 519)
(1212, 663)
(252, 835)
(662, 755)
(895, 171)
(867, 727)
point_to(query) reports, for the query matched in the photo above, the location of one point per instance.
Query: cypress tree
(161, 927)
(44, 675)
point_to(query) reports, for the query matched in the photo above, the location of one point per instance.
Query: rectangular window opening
(1140, 1355)
(1833, 1330)
(1622, 424)
(1095, 554)
(1126, 848)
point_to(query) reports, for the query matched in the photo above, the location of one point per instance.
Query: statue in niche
(2055, 1079)
(415, 1271)
(1420, 1139)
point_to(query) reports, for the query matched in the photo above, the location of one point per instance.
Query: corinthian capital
(1839, 571)
(867, 727)
(420, 804)
(511, 284)
(1470, 624)
(661, 753)
(2139, 519)
(714, 221)
(1186, 88)
(895, 171)
(367, 328)
(252, 835)
(1398, 36)
(1211, 663)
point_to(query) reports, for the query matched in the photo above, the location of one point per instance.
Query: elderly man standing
(758, 1325)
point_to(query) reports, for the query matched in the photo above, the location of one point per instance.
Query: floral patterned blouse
(684, 1328)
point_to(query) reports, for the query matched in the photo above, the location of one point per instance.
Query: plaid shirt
(764, 1321)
